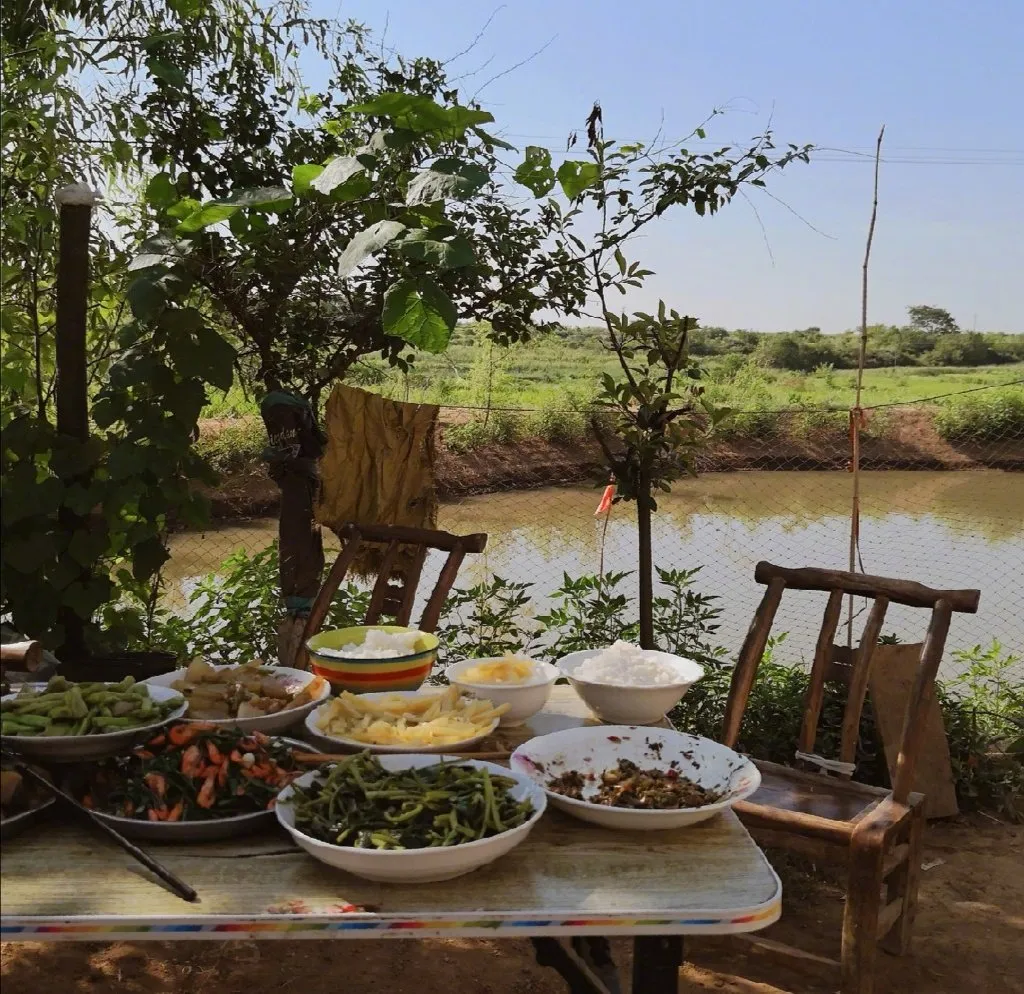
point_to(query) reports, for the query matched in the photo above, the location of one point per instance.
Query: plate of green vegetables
(409, 818)
(63, 721)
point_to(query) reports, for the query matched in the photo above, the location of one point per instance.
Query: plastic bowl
(524, 699)
(368, 676)
(417, 866)
(269, 724)
(620, 705)
(593, 749)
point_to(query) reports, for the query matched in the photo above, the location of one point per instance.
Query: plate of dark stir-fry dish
(409, 818)
(636, 777)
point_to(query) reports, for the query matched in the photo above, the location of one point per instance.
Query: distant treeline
(810, 349)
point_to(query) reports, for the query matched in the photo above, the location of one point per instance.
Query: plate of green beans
(64, 721)
(409, 818)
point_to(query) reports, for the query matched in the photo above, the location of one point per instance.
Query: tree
(272, 249)
(652, 422)
(932, 320)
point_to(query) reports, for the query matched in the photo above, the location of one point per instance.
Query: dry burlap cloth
(378, 468)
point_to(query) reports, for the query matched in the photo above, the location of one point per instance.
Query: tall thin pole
(856, 415)
(76, 203)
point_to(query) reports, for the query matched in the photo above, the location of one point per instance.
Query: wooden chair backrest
(394, 591)
(882, 591)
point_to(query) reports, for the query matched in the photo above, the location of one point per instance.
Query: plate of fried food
(253, 696)
(442, 720)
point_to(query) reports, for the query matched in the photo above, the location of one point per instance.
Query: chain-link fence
(938, 504)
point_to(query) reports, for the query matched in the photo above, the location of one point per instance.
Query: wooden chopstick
(324, 757)
(179, 887)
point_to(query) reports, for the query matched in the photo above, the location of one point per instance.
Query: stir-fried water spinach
(359, 803)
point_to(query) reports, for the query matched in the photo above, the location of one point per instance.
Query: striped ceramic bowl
(363, 676)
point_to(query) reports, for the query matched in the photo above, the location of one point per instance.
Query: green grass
(558, 373)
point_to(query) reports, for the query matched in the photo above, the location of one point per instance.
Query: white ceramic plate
(195, 831)
(623, 705)
(270, 724)
(339, 743)
(417, 866)
(85, 748)
(593, 749)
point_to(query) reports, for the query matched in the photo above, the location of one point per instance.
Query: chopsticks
(179, 887)
(315, 758)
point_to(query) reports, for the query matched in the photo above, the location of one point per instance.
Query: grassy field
(552, 373)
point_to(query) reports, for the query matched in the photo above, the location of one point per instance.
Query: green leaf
(220, 210)
(160, 191)
(147, 557)
(145, 297)
(168, 73)
(535, 171)
(368, 242)
(212, 213)
(336, 172)
(415, 112)
(420, 313)
(220, 358)
(453, 254)
(28, 555)
(446, 178)
(156, 251)
(576, 176)
(183, 208)
(489, 139)
(303, 176)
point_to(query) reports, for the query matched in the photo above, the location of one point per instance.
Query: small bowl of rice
(368, 659)
(626, 685)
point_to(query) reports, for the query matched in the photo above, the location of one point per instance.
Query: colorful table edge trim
(97, 928)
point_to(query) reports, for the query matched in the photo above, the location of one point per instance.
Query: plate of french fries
(405, 721)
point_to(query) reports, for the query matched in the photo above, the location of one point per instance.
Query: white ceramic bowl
(417, 866)
(270, 724)
(338, 743)
(594, 749)
(85, 748)
(524, 699)
(631, 705)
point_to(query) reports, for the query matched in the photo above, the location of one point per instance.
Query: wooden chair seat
(841, 801)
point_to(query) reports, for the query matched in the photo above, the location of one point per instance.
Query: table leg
(656, 963)
(570, 966)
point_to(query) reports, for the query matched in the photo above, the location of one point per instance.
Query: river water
(946, 529)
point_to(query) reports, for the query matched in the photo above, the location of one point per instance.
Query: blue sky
(944, 76)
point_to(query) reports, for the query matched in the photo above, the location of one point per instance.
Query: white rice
(377, 645)
(627, 665)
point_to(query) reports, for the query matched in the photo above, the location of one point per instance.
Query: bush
(990, 416)
(499, 428)
(234, 445)
(555, 424)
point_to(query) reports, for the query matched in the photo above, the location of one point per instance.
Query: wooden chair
(825, 813)
(394, 591)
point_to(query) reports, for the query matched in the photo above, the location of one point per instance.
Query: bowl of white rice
(626, 685)
(373, 658)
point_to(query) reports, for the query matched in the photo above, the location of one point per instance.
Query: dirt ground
(969, 938)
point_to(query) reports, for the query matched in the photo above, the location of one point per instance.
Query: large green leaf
(220, 210)
(160, 191)
(147, 557)
(576, 176)
(145, 297)
(421, 313)
(366, 243)
(446, 178)
(336, 172)
(303, 177)
(414, 112)
(451, 254)
(535, 171)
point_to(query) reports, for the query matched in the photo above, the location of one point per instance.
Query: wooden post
(76, 203)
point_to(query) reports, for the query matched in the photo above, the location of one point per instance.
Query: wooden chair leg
(860, 920)
(902, 885)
